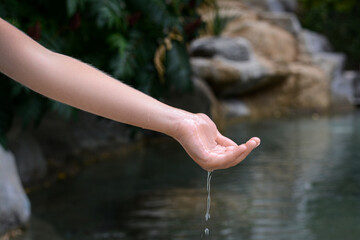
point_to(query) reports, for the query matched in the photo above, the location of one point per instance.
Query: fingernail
(254, 144)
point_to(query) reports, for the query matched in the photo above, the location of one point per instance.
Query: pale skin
(70, 81)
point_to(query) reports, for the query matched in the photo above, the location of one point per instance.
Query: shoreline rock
(15, 207)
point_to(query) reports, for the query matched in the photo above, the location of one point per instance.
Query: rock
(312, 42)
(200, 100)
(332, 64)
(348, 88)
(268, 41)
(228, 77)
(29, 157)
(306, 89)
(14, 204)
(232, 49)
(356, 86)
(272, 5)
(285, 69)
(60, 138)
(228, 9)
(343, 90)
(89, 131)
(287, 21)
(233, 109)
(266, 5)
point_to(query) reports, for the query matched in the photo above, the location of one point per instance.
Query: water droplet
(207, 216)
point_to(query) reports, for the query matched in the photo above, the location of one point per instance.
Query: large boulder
(60, 138)
(355, 79)
(332, 64)
(287, 21)
(200, 100)
(227, 48)
(306, 89)
(312, 42)
(228, 74)
(234, 109)
(280, 69)
(14, 204)
(30, 160)
(266, 5)
(268, 40)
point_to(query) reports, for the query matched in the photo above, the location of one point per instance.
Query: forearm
(70, 81)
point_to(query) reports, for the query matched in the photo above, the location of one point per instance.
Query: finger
(250, 145)
(257, 140)
(222, 161)
(224, 141)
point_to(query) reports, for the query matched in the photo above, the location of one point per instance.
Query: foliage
(339, 20)
(120, 37)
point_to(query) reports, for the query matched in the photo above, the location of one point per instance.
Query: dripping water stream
(207, 214)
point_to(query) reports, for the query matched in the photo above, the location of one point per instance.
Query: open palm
(207, 147)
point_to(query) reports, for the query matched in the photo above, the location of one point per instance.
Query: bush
(339, 20)
(141, 42)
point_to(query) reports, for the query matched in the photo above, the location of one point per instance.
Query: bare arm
(70, 81)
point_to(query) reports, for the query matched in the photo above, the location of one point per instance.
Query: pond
(302, 183)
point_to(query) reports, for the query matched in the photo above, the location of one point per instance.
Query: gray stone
(60, 138)
(235, 109)
(266, 5)
(313, 42)
(29, 157)
(332, 64)
(236, 49)
(356, 88)
(90, 131)
(230, 78)
(14, 204)
(287, 21)
(200, 100)
(350, 86)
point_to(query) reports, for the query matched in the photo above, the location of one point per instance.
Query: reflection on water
(302, 183)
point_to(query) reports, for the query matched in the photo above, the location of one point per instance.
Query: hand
(207, 147)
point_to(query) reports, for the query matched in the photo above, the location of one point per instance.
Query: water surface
(302, 183)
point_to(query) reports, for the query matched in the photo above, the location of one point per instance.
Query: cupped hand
(207, 147)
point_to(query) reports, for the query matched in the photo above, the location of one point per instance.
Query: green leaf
(108, 13)
(178, 70)
(118, 41)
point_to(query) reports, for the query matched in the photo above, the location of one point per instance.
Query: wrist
(177, 118)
